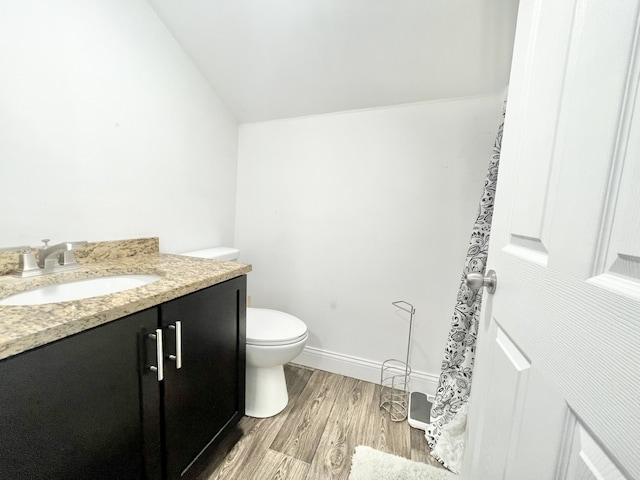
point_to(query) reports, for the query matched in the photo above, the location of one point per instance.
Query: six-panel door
(555, 391)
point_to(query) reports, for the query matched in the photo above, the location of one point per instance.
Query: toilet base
(266, 391)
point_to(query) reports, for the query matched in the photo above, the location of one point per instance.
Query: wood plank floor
(315, 436)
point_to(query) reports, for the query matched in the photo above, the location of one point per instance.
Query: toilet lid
(272, 327)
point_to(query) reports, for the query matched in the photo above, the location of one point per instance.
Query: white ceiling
(288, 58)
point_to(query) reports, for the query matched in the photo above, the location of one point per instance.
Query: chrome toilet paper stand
(395, 376)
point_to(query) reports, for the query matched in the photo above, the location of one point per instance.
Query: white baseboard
(360, 368)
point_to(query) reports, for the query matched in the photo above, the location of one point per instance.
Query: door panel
(588, 461)
(508, 378)
(598, 101)
(72, 408)
(542, 64)
(558, 343)
(617, 263)
(541, 428)
(206, 394)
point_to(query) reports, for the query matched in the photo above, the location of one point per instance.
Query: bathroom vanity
(95, 403)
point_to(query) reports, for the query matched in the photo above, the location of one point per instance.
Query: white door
(556, 392)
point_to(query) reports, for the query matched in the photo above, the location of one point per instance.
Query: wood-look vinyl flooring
(328, 415)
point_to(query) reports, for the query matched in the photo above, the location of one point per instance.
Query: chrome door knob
(476, 280)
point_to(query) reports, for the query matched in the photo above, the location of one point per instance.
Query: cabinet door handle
(159, 354)
(178, 356)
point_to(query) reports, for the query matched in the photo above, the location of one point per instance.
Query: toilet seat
(267, 327)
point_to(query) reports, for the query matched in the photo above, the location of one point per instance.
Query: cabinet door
(74, 408)
(206, 395)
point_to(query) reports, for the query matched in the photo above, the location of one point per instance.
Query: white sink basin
(79, 289)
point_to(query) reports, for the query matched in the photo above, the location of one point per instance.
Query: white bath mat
(370, 464)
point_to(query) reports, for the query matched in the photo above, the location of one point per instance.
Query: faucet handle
(27, 265)
(27, 261)
(46, 242)
(67, 258)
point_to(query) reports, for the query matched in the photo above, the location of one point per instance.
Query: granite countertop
(25, 327)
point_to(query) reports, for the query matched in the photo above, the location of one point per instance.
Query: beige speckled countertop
(26, 327)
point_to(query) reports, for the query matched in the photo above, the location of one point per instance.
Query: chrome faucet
(52, 259)
(58, 255)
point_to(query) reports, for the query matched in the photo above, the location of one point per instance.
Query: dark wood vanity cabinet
(89, 407)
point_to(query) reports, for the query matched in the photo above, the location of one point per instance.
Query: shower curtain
(446, 431)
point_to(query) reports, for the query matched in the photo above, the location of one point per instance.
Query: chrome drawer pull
(159, 354)
(178, 356)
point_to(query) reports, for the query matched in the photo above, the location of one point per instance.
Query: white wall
(107, 129)
(343, 214)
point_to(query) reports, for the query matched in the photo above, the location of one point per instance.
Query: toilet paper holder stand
(395, 376)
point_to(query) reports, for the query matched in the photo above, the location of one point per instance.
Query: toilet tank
(224, 254)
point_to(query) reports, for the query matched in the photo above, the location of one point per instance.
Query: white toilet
(273, 339)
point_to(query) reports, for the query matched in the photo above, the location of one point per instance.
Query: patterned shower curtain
(446, 431)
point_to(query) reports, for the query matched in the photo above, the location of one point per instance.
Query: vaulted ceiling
(288, 58)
